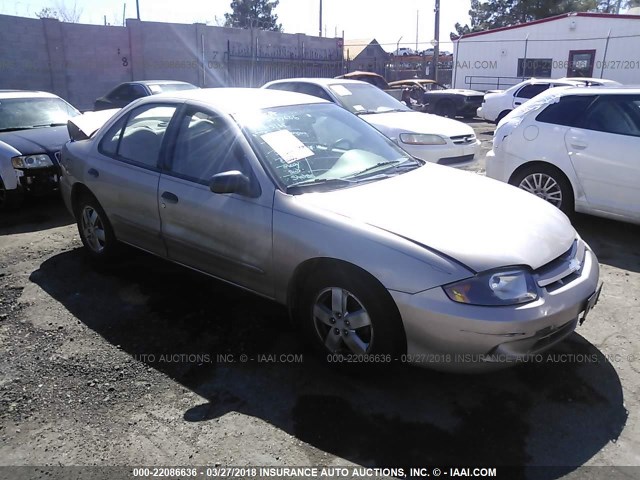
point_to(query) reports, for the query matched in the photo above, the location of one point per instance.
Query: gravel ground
(140, 363)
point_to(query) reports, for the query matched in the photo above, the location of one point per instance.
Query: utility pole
(436, 46)
(417, 25)
(320, 21)
(138, 9)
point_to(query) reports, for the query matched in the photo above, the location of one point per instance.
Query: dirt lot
(125, 366)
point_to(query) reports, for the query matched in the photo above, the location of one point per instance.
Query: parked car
(404, 51)
(33, 128)
(428, 137)
(127, 92)
(370, 77)
(443, 101)
(298, 200)
(496, 105)
(577, 148)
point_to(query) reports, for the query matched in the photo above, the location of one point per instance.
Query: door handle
(518, 103)
(92, 172)
(169, 197)
(578, 144)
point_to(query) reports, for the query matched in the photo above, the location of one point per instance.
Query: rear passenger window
(140, 140)
(569, 111)
(618, 114)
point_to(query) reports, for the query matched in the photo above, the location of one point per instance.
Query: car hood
(394, 123)
(36, 140)
(478, 221)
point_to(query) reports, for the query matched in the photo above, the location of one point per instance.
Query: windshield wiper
(319, 182)
(14, 129)
(365, 112)
(56, 124)
(388, 163)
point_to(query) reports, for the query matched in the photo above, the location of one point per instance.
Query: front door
(226, 235)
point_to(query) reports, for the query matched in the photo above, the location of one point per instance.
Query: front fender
(301, 233)
(7, 172)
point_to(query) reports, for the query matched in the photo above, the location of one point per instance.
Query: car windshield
(321, 145)
(24, 113)
(170, 87)
(360, 98)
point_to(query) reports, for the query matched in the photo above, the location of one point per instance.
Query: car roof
(602, 90)
(324, 82)
(236, 100)
(25, 94)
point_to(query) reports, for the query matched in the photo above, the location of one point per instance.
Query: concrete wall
(82, 62)
(496, 54)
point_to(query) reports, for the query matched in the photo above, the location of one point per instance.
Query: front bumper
(38, 181)
(449, 154)
(446, 335)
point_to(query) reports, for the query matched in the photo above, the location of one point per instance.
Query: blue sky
(387, 21)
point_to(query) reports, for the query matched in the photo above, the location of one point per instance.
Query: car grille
(564, 269)
(454, 160)
(464, 139)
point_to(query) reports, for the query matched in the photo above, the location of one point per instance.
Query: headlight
(494, 288)
(422, 139)
(32, 161)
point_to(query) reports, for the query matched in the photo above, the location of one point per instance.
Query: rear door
(226, 235)
(604, 153)
(123, 174)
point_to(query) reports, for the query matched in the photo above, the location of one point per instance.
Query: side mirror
(233, 181)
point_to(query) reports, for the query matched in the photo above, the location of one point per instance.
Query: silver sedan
(379, 257)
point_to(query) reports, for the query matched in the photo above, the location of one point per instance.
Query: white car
(404, 52)
(497, 105)
(576, 148)
(425, 136)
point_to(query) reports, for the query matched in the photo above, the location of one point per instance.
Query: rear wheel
(548, 183)
(343, 311)
(94, 228)
(502, 115)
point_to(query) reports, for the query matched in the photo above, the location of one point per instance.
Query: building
(366, 55)
(573, 45)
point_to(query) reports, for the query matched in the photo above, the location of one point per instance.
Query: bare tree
(48, 12)
(68, 13)
(61, 11)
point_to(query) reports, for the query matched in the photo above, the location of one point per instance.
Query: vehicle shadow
(35, 214)
(614, 243)
(558, 412)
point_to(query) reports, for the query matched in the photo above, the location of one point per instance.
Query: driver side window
(205, 146)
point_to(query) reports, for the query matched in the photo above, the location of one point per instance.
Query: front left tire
(344, 311)
(10, 199)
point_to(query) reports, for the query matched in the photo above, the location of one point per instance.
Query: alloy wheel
(544, 186)
(93, 229)
(342, 322)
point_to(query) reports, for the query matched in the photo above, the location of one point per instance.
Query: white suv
(576, 148)
(497, 105)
